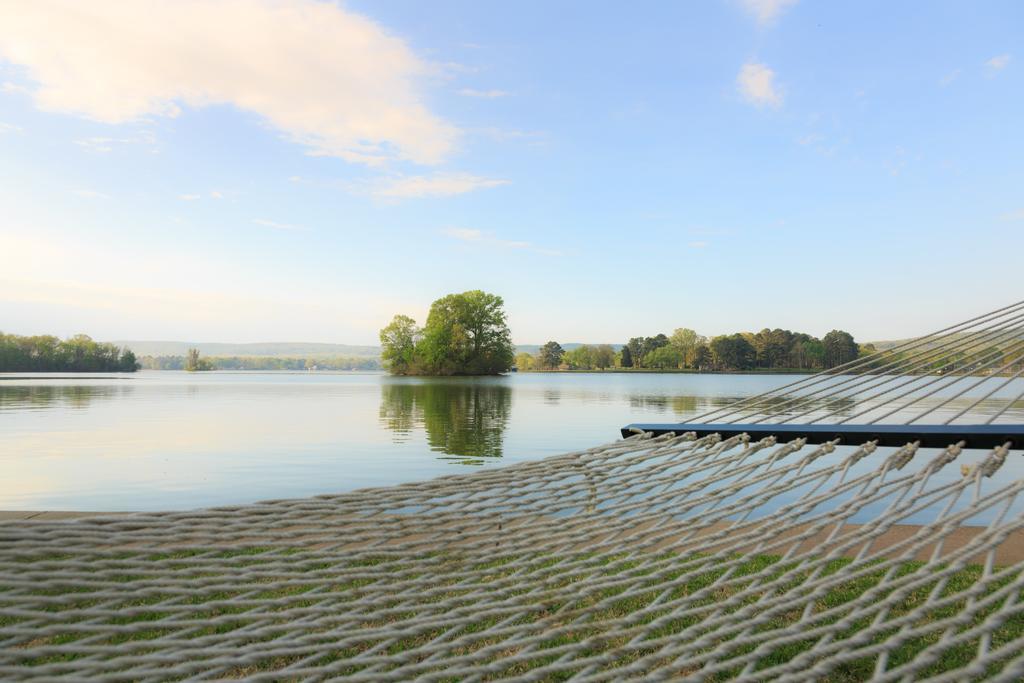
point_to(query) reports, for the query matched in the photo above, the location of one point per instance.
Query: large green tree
(839, 348)
(664, 358)
(650, 344)
(686, 341)
(580, 358)
(193, 363)
(773, 348)
(603, 356)
(732, 352)
(550, 355)
(626, 357)
(701, 357)
(525, 362)
(398, 345)
(635, 346)
(465, 334)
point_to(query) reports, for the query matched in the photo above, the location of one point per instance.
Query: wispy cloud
(486, 94)
(704, 231)
(435, 185)
(765, 12)
(9, 128)
(195, 196)
(533, 138)
(90, 194)
(7, 86)
(950, 77)
(1017, 215)
(464, 234)
(324, 76)
(897, 162)
(277, 226)
(452, 68)
(103, 145)
(699, 244)
(998, 63)
(822, 145)
(756, 84)
(478, 237)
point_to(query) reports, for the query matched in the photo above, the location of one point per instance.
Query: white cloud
(9, 128)
(486, 94)
(464, 234)
(90, 194)
(7, 86)
(101, 145)
(478, 237)
(216, 195)
(897, 162)
(451, 68)
(998, 63)
(189, 197)
(324, 76)
(1017, 215)
(106, 144)
(435, 185)
(765, 12)
(756, 83)
(698, 245)
(277, 226)
(950, 77)
(533, 138)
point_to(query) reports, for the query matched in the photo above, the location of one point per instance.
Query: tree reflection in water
(20, 397)
(462, 418)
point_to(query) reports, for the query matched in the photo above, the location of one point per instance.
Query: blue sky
(298, 170)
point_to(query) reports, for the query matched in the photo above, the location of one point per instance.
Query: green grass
(568, 611)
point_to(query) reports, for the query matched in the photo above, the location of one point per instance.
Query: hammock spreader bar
(928, 435)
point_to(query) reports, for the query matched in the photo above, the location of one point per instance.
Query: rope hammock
(666, 554)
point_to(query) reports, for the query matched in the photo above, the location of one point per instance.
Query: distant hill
(1000, 338)
(888, 344)
(271, 349)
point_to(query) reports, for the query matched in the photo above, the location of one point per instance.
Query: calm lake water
(168, 440)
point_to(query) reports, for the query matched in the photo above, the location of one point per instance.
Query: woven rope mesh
(650, 557)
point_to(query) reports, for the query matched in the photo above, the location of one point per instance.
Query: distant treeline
(46, 353)
(685, 349)
(263, 363)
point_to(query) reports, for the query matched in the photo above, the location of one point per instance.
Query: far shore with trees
(264, 363)
(467, 334)
(46, 353)
(687, 351)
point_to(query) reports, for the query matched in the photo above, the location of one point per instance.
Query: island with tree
(465, 334)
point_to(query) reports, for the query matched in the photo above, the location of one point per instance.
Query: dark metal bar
(930, 436)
